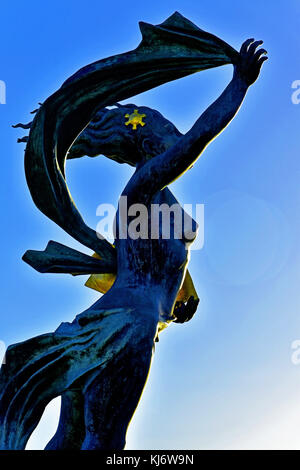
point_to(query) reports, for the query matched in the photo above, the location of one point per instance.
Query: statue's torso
(157, 262)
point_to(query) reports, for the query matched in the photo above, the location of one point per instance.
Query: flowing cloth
(174, 49)
(44, 367)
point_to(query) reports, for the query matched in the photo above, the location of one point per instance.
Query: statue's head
(127, 134)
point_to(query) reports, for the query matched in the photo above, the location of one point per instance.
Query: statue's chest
(168, 217)
(157, 237)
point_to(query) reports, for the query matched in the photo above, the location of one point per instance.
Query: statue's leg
(112, 397)
(27, 385)
(71, 429)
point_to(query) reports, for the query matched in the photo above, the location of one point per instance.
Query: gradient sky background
(225, 380)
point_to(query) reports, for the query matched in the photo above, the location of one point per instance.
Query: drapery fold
(171, 50)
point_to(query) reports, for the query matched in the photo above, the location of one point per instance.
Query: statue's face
(169, 135)
(157, 139)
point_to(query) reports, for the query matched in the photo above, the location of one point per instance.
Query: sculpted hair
(107, 134)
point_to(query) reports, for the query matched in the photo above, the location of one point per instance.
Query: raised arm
(160, 171)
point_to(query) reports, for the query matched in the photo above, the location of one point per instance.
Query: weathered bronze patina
(99, 363)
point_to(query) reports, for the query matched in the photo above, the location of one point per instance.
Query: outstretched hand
(184, 311)
(250, 61)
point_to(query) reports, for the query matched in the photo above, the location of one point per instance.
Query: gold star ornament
(134, 119)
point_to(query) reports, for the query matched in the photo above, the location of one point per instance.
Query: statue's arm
(160, 171)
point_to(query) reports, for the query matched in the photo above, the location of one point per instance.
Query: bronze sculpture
(99, 363)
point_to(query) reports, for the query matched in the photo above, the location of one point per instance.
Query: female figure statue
(99, 363)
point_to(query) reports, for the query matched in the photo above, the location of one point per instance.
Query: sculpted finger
(259, 53)
(192, 307)
(245, 46)
(179, 312)
(253, 46)
(261, 61)
(191, 313)
(257, 66)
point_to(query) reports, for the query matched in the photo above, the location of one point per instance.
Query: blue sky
(226, 379)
